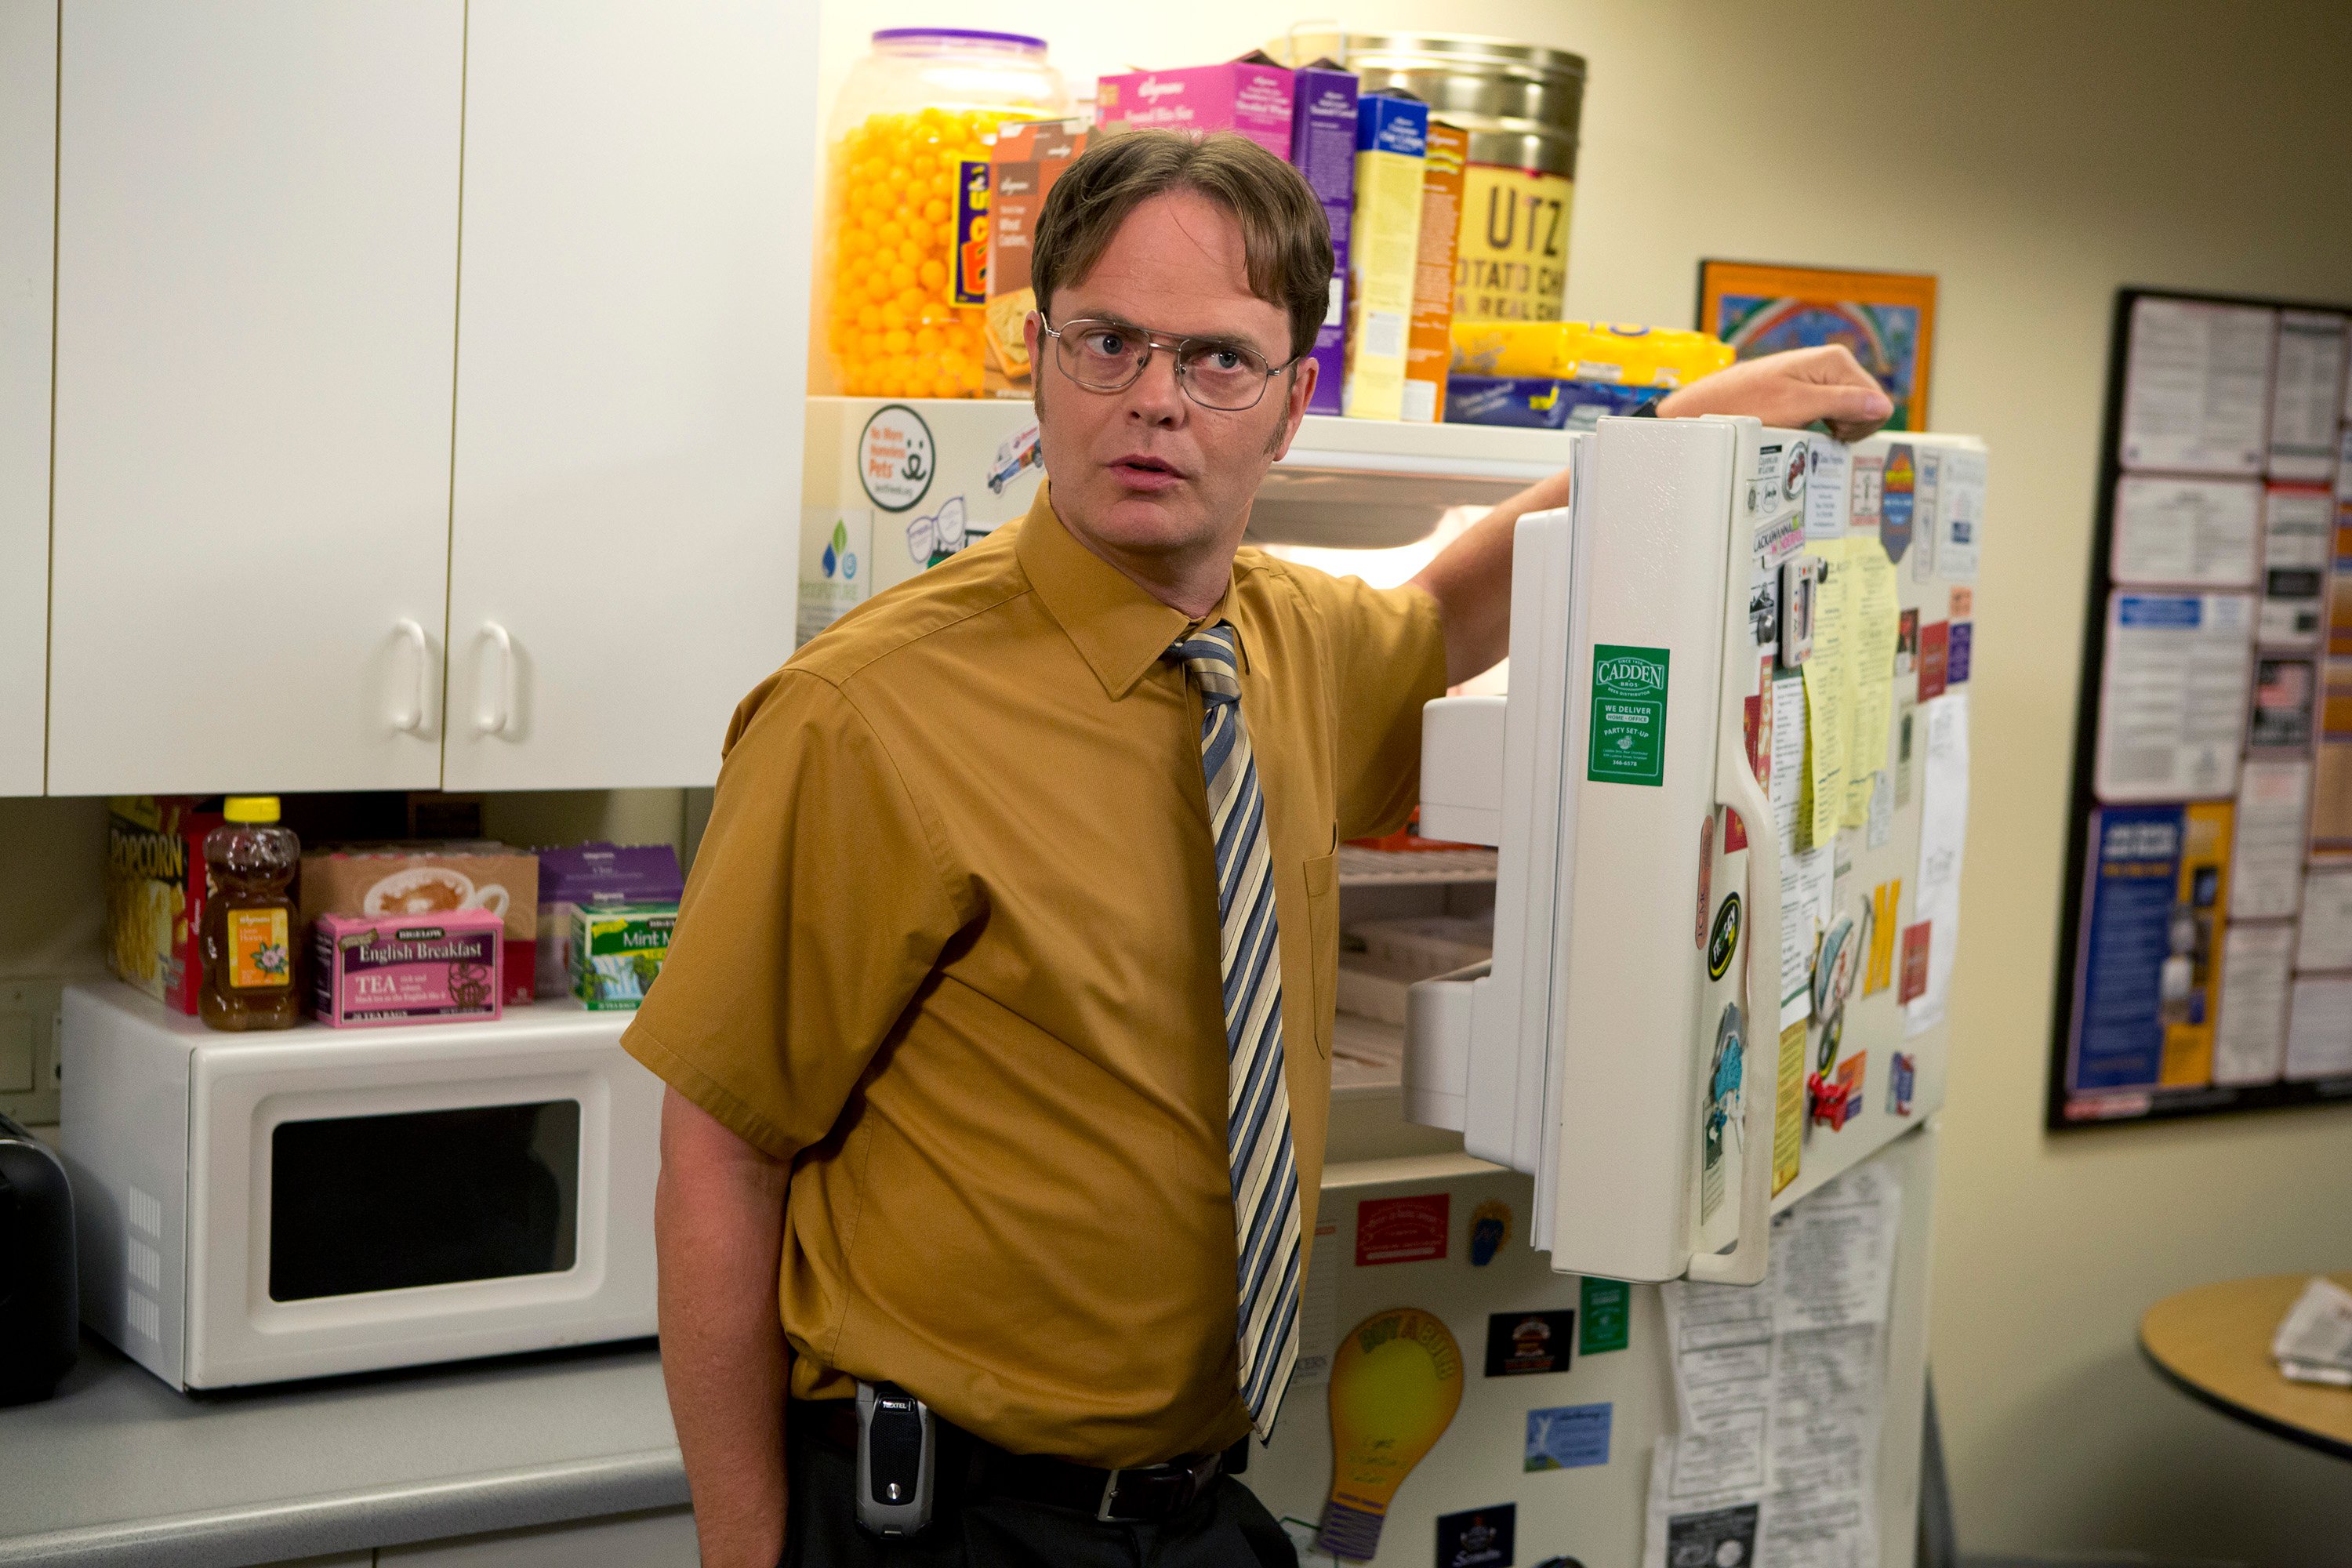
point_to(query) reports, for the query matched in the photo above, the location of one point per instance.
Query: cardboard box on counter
(428, 879)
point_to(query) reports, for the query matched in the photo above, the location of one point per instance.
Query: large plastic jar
(906, 241)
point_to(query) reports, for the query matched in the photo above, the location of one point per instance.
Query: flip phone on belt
(894, 1452)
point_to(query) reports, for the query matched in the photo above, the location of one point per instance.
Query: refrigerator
(1622, 1250)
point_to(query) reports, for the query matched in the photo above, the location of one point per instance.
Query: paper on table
(2250, 1037)
(1829, 696)
(2198, 533)
(1943, 839)
(2306, 394)
(2172, 715)
(2326, 934)
(2266, 862)
(2318, 1328)
(2320, 1028)
(1873, 621)
(2197, 386)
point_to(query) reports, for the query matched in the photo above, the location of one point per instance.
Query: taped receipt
(1781, 1391)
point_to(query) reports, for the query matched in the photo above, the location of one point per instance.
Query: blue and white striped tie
(1257, 1101)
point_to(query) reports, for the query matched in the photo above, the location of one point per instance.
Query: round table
(2214, 1344)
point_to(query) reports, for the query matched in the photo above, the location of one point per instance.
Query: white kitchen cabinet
(639, 208)
(257, 257)
(28, 81)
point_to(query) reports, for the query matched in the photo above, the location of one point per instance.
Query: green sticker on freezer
(1604, 1309)
(1629, 715)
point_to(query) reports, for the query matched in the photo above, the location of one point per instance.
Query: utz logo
(1630, 677)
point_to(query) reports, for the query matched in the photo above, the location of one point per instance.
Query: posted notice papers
(1780, 1389)
(2173, 715)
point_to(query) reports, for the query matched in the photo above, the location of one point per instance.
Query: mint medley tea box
(617, 950)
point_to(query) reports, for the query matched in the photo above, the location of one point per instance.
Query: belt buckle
(1103, 1514)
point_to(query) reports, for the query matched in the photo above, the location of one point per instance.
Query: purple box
(1323, 148)
(1245, 95)
(406, 969)
(594, 874)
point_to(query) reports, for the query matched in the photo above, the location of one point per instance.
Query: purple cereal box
(370, 970)
(1250, 96)
(1323, 148)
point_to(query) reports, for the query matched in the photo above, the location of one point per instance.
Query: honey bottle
(249, 930)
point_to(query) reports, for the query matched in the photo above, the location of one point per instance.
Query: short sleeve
(1388, 653)
(817, 905)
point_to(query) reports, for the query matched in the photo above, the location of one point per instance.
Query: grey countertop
(120, 1468)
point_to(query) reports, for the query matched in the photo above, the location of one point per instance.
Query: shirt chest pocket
(1322, 876)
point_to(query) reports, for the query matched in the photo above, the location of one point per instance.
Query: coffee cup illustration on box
(432, 890)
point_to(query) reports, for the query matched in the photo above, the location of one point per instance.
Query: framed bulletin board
(2205, 937)
(1887, 318)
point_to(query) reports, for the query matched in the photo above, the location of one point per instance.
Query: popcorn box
(1251, 95)
(156, 894)
(378, 970)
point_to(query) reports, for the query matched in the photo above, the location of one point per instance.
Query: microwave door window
(361, 1203)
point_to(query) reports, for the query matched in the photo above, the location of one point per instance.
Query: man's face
(1146, 472)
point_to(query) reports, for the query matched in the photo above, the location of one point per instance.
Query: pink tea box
(1251, 95)
(406, 969)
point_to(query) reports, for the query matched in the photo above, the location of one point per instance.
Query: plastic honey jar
(902, 277)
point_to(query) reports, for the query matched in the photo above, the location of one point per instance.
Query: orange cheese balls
(892, 323)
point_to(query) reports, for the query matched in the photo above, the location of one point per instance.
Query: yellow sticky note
(1873, 621)
(1789, 1108)
(1829, 697)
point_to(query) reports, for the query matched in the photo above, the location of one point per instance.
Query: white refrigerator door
(1427, 1212)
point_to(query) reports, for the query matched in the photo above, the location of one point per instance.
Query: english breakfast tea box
(617, 952)
(380, 880)
(404, 969)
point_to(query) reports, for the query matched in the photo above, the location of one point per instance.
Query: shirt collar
(1118, 628)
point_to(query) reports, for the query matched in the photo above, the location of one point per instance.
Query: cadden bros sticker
(1629, 715)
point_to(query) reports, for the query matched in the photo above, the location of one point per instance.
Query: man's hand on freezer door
(1791, 390)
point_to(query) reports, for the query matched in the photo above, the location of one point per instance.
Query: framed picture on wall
(1887, 318)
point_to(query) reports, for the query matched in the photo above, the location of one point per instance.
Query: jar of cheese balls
(903, 271)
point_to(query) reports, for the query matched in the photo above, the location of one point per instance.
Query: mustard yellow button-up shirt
(951, 944)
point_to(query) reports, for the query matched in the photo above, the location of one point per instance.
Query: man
(998, 1022)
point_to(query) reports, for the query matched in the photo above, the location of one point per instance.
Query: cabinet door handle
(495, 710)
(410, 716)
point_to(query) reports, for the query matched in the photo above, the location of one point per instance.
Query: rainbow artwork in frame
(1887, 318)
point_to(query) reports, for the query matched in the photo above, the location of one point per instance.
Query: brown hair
(1286, 237)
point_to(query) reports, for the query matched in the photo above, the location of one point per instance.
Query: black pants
(1226, 1527)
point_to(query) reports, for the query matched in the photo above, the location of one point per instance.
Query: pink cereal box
(1251, 95)
(370, 970)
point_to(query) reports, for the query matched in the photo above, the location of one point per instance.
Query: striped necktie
(1263, 1167)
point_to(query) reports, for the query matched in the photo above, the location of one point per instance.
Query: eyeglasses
(1105, 356)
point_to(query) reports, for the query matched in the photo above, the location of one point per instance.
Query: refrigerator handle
(1738, 786)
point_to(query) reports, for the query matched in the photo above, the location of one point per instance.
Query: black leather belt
(1141, 1494)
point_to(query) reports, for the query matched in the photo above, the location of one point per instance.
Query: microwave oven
(255, 1207)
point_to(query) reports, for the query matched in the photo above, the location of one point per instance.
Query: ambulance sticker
(1629, 715)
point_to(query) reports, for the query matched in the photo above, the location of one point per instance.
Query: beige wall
(2035, 157)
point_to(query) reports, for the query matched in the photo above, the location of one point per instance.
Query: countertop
(119, 1469)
